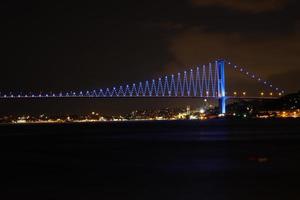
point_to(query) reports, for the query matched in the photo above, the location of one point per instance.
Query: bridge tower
(221, 86)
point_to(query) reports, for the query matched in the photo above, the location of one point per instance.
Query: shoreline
(149, 121)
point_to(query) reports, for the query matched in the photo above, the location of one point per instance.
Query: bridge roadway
(132, 97)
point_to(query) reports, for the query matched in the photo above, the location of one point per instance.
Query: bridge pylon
(221, 86)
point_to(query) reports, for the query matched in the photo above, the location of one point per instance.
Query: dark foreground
(185, 160)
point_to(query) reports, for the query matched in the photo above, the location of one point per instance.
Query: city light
(202, 111)
(167, 114)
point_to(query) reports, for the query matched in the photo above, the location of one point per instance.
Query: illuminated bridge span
(207, 81)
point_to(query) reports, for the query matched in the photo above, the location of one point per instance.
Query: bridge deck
(134, 97)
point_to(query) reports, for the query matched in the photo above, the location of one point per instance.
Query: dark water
(218, 159)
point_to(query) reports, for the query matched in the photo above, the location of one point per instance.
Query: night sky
(65, 46)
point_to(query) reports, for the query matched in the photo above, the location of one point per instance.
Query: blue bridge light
(206, 81)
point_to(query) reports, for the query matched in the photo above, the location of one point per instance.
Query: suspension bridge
(205, 81)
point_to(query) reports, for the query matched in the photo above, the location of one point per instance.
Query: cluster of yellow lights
(236, 93)
(261, 94)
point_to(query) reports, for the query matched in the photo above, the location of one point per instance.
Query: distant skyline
(77, 46)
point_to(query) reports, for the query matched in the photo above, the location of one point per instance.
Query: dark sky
(48, 46)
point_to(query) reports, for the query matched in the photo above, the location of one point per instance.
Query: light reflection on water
(184, 160)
